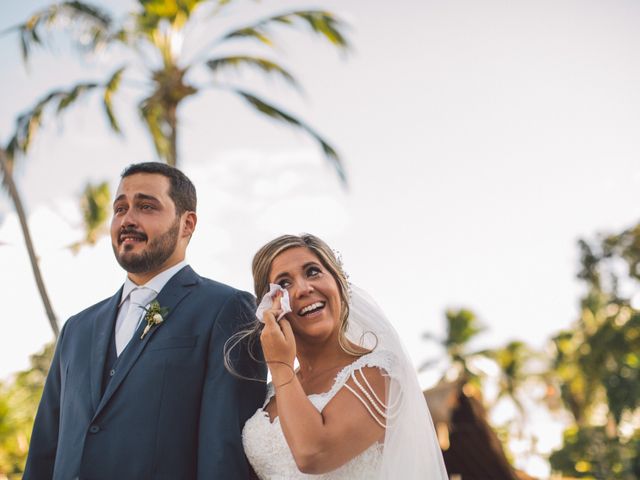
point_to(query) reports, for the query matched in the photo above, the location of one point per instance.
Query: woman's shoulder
(381, 360)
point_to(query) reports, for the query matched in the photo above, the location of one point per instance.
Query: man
(137, 387)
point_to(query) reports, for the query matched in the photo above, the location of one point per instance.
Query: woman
(353, 409)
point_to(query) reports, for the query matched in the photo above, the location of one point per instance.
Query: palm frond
(154, 12)
(110, 89)
(322, 22)
(95, 204)
(29, 122)
(168, 10)
(262, 64)
(277, 114)
(154, 116)
(250, 32)
(67, 98)
(92, 22)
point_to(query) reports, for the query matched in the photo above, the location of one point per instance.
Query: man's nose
(128, 219)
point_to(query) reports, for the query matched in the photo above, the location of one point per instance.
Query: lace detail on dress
(267, 449)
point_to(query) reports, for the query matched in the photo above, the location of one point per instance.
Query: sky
(481, 141)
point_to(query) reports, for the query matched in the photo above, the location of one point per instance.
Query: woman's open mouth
(311, 309)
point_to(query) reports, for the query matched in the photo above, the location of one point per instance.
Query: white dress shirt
(156, 284)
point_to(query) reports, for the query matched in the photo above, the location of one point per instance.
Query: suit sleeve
(44, 437)
(228, 401)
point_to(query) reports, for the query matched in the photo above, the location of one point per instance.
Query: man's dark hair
(181, 190)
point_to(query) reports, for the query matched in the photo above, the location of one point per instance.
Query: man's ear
(190, 219)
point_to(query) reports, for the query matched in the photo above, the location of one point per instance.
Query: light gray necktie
(138, 298)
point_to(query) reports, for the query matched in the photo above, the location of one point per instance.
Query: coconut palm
(462, 326)
(6, 177)
(152, 36)
(95, 204)
(151, 39)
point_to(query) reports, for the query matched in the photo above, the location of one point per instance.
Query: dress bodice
(267, 450)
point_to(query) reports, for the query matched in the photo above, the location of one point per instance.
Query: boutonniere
(154, 316)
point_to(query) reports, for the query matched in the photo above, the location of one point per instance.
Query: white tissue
(267, 302)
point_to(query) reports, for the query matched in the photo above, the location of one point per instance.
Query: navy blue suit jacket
(170, 411)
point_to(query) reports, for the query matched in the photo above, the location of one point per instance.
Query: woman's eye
(284, 283)
(313, 271)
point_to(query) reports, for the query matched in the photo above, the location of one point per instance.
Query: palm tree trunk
(172, 119)
(17, 202)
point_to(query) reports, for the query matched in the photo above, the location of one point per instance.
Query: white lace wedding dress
(267, 449)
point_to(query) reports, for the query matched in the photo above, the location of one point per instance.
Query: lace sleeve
(375, 406)
(363, 390)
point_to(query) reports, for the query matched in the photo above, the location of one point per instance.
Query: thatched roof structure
(471, 449)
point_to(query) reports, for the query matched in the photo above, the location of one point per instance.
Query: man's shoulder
(91, 311)
(219, 288)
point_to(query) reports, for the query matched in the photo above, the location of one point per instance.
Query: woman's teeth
(310, 308)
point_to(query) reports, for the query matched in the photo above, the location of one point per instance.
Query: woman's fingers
(278, 342)
(277, 301)
(270, 316)
(285, 326)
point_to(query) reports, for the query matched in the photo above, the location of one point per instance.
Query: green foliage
(322, 23)
(92, 25)
(28, 123)
(589, 452)
(462, 327)
(110, 88)
(96, 203)
(512, 359)
(262, 64)
(599, 359)
(19, 400)
(597, 363)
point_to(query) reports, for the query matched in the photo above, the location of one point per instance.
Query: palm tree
(6, 173)
(155, 30)
(462, 326)
(512, 359)
(153, 35)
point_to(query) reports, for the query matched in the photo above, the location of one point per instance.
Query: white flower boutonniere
(154, 316)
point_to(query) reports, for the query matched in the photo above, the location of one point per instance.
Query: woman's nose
(302, 288)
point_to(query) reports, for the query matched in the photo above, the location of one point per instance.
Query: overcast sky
(481, 140)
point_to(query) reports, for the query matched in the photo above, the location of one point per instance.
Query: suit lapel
(171, 295)
(103, 326)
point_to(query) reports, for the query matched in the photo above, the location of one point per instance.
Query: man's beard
(157, 252)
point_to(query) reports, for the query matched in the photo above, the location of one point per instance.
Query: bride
(353, 408)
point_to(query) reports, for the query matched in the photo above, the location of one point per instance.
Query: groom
(137, 387)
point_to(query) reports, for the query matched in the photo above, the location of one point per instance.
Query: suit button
(94, 429)
(112, 373)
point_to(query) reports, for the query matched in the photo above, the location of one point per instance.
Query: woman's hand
(278, 343)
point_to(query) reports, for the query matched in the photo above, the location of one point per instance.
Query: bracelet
(293, 372)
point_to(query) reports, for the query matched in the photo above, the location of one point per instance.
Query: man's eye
(146, 207)
(118, 209)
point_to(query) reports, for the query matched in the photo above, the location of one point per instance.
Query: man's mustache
(131, 232)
